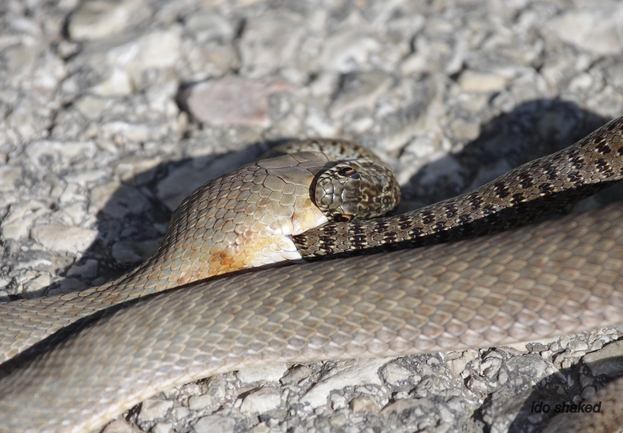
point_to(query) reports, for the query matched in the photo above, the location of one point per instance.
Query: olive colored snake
(553, 278)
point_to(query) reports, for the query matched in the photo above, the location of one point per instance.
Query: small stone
(464, 130)
(263, 47)
(117, 83)
(208, 25)
(119, 426)
(162, 427)
(198, 402)
(215, 424)
(61, 238)
(91, 106)
(9, 177)
(137, 171)
(272, 373)
(96, 19)
(180, 413)
(296, 375)
(38, 283)
(343, 51)
(457, 364)
(17, 222)
(154, 408)
(228, 101)
(365, 403)
(338, 401)
(260, 428)
(394, 373)
(338, 420)
(399, 406)
(596, 29)
(607, 361)
(261, 401)
(472, 81)
(360, 90)
(350, 373)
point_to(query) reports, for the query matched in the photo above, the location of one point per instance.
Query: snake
(75, 361)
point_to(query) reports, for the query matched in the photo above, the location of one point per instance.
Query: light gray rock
(61, 238)
(215, 424)
(263, 47)
(271, 373)
(208, 25)
(595, 29)
(153, 409)
(119, 426)
(229, 101)
(96, 19)
(348, 373)
(261, 401)
(608, 361)
(472, 81)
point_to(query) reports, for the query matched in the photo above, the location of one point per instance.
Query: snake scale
(552, 278)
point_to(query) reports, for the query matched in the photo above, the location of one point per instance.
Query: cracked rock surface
(113, 111)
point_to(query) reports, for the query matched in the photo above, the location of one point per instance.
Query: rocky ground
(113, 111)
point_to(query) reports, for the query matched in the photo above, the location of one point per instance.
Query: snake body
(241, 220)
(554, 278)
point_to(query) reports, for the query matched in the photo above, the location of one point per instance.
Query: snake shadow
(531, 130)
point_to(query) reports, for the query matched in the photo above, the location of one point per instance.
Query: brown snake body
(550, 279)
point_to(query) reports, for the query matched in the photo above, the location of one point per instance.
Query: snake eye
(348, 172)
(343, 218)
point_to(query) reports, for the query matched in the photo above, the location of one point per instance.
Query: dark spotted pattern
(518, 197)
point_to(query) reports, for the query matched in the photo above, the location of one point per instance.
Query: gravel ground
(113, 111)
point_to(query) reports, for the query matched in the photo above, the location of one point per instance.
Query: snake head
(356, 189)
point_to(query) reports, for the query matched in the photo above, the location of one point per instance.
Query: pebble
(96, 19)
(261, 401)
(349, 373)
(215, 424)
(61, 238)
(271, 373)
(364, 403)
(263, 48)
(119, 426)
(218, 102)
(606, 361)
(153, 409)
(472, 81)
(595, 29)
(198, 402)
(395, 374)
